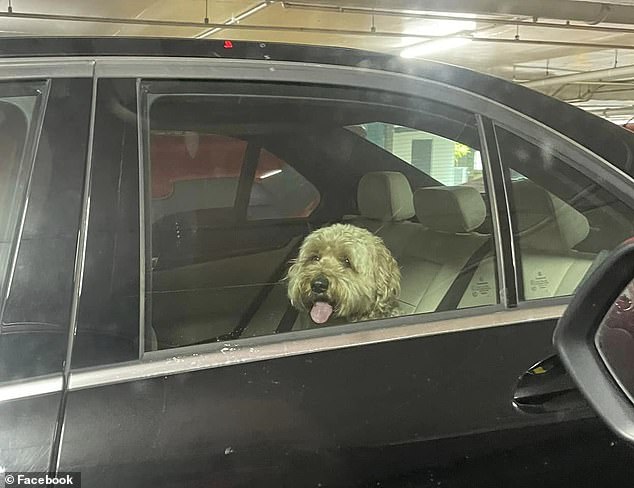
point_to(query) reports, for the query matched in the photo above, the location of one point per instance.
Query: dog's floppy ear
(388, 282)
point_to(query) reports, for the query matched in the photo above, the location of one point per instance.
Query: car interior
(218, 272)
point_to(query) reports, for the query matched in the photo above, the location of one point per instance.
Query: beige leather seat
(385, 204)
(433, 251)
(437, 253)
(548, 229)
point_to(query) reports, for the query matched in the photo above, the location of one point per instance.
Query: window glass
(14, 129)
(564, 220)
(308, 222)
(279, 191)
(450, 162)
(41, 191)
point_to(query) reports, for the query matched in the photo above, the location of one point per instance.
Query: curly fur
(364, 278)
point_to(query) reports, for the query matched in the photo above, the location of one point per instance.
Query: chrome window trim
(31, 387)
(144, 237)
(49, 67)
(209, 356)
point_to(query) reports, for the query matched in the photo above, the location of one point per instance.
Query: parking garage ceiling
(580, 51)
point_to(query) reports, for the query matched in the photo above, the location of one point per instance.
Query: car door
(175, 402)
(42, 181)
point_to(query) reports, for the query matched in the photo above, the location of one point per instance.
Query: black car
(153, 195)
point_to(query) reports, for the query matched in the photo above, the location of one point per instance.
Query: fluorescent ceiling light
(233, 20)
(440, 28)
(435, 46)
(268, 174)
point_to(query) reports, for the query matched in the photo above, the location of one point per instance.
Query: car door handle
(547, 387)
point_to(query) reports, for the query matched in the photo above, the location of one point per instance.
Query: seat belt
(456, 291)
(288, 320)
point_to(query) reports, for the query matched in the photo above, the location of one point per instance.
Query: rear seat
(439, 251)
(432, 252)
(548, 230)
(386, 205)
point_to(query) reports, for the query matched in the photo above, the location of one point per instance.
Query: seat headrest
(544, 221)
(453, 209)
(385, 196)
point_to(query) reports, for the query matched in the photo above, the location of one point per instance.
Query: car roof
(602, 137)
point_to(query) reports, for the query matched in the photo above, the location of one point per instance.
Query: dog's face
(344, 271)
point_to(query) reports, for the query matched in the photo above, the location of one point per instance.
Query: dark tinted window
(39, 276)
(219, 268)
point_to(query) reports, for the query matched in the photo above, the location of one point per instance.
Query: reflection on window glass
(614, 339)
(15, 115)
(193, 171)
(449, 162)
(293, 215)
(279, 191)
(564, 221)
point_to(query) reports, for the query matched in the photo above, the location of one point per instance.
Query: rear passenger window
(286, 211)
(564, 221)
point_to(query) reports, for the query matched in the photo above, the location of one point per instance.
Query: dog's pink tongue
(320, 312)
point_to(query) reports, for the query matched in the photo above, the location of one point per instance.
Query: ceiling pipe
(234, 20)
(298, 29)
(607, 112)
(533, 22)
(597, 75)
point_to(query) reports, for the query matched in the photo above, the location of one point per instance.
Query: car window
(450, 162)
(40, 191)
(564, 220)
(306, 222)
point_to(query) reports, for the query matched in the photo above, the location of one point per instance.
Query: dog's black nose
(319, 284)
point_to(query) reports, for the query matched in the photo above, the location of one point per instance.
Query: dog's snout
(319, 284)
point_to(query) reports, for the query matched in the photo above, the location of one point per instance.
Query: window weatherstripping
(208, 356)
(52, 67)
(33, 387)
(500, 212)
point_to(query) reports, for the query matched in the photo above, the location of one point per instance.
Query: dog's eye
(346, 262)
(314, 258)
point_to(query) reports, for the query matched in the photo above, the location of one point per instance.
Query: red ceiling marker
(228, 45)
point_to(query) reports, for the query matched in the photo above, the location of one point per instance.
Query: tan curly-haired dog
(344, 272)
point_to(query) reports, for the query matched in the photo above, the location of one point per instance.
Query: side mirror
(595, 340)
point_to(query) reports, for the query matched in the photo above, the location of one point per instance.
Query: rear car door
(42, 167)
(189, 366)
